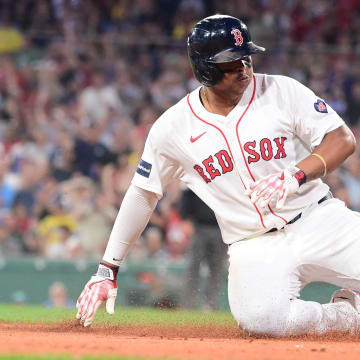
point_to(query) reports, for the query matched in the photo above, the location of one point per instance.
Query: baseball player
(253, 147)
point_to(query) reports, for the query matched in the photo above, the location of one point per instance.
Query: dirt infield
(177, 343)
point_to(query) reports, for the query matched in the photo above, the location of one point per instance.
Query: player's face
(237, 75)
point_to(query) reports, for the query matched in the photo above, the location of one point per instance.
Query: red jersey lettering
(266, 149)
(280, 142)
(225, 161)
(250, 149)
(210, 168)
(200, 170)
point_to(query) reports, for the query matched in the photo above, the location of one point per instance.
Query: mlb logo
(320, 106)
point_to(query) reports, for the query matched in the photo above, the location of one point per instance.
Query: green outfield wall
(140, 284)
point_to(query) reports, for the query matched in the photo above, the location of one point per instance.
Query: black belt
(297, 217)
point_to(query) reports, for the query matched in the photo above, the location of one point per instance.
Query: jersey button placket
(238, 159)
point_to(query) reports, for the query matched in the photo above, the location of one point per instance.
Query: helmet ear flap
(206, 73)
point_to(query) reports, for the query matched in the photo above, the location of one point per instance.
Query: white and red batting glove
(101, 287)
(276, 187)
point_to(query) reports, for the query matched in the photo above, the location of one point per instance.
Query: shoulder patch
(320, 106)
(144, 168)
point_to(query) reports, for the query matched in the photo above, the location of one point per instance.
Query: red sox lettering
(265, 149)
(223, 159)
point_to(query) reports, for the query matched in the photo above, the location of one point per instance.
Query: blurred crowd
(85, 80)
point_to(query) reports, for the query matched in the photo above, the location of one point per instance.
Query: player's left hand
(273, 187)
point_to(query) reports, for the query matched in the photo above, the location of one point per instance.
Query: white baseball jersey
(276, 124)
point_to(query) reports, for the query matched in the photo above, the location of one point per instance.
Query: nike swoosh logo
(192, 140)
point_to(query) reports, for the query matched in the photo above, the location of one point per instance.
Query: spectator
(58, 296)
(154, 244)
(55, 231)
(350, 177)
(207, 249)
(99, 97)
(353, 110)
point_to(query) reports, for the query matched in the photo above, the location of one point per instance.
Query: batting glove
(276, 187)
(100, 288)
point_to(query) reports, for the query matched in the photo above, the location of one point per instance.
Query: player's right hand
(101, 288)
(276, 186)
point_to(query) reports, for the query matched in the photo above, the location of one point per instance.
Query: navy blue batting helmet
(218, 39)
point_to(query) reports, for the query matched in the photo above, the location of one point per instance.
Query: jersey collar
(200, 111)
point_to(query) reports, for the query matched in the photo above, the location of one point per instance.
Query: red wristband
(300, 176)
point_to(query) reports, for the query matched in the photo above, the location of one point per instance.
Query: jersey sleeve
(312, 117)
(156, 167)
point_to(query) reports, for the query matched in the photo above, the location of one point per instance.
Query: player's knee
(264, 322)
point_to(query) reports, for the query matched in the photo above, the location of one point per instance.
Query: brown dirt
(176, 343)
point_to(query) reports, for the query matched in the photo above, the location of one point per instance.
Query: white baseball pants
(267, 273)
